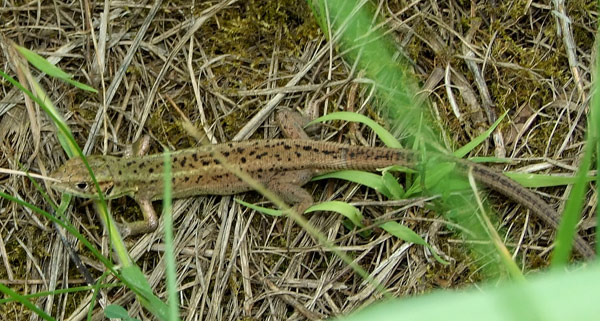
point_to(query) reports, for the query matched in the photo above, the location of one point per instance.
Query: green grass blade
(21, 299)
(350, 212)
(136, 281)
(543, 180)
(370, 180)
(68, 227)
(404, 233)
(463, 151)
(551, 297)
(572, 213)
(260, 209)
(51, 70)
(385, 136)
(173, 314)
(113, 311)
(594, 122)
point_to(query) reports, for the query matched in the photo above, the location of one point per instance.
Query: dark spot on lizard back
(183, 161)
(261, 155)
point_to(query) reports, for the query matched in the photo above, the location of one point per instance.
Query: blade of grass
(543, 180)
(24, 301)
(463, 151)
(68, 227)
(350, 212)
(595, 120)
(43, 65)
(385, 136)
(404, 233)
(173, 313)
(370, 180)
(550, 297)
(574, 204)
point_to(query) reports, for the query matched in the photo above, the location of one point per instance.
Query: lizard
(281, 165)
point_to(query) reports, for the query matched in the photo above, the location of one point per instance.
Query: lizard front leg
(147, 225)
(288, 186)
(150, 221)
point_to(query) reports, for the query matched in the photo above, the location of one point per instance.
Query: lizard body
(282, 165)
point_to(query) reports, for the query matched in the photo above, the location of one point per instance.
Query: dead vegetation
(228, 66)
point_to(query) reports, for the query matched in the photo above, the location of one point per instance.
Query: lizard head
(74, 178)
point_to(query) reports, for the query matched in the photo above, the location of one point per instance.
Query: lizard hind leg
(291, 124)
(288, 186)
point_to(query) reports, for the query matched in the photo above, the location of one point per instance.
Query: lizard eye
(81, 185)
